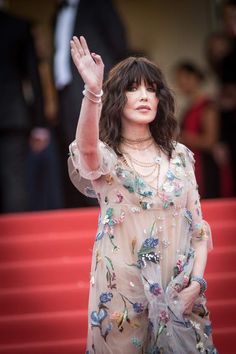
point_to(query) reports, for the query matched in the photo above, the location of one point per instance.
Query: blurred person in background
(221, 57)
(199, 128)
(100, 23)
(20, 89)
(44, 170)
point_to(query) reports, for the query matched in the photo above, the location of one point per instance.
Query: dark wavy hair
(164, 127)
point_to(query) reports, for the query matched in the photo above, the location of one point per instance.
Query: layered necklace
(134, 163)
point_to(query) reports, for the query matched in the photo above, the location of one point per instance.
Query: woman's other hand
(89, 65)
(188, 296)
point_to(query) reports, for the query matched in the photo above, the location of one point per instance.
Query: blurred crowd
(41, 94)
(208, 121)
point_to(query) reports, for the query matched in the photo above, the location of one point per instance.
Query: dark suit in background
(99, 22)
(18, 64)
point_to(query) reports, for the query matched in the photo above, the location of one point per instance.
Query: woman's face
(141, 105)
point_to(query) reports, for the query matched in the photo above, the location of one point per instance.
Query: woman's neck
(135, 131)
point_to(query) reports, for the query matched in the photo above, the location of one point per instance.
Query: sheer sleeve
(201, 231)
(81, 176)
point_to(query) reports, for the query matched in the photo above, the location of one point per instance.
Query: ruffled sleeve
(79, 173)
(201, 231)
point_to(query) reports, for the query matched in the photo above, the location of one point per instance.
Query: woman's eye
(151, 89)
(132, 88)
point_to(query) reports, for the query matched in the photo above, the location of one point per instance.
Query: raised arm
(91, 68)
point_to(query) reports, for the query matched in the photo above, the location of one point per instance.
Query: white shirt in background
(63, 34)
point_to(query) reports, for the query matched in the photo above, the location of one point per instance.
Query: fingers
(97, 58)
(84, 45)
(74, 53)
(81, 45)
(78, 46)
(79, 49)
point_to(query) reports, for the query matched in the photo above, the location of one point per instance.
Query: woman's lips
(143, 108)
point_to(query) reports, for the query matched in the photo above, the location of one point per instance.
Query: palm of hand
(89, 65)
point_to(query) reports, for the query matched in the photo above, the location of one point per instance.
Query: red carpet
(44, 273)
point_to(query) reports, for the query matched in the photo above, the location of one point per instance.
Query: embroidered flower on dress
(155, 289)
(109, 222)
(105, 297)
(135, 209)
(188, 216)
(138, 307)
(119, 197)
(97, 317)
(178, 287)
(90, 192)
(150, 242)
(168, 187)
(110, 274)
(208, 329)
(195, 324)
(164, 317)
(116, 316)
(170, 175)
(146, 252)
(185, 281)
(200, 347)
(145, 205)
(150, 256)
(167, 199)
(109, 179)
(180, 263)
(136, 342)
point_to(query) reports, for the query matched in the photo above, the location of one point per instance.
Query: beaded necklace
(133, 161)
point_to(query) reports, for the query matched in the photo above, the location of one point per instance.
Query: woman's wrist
(92, 96)
(200, 282)
(94, 90)
(195, 285)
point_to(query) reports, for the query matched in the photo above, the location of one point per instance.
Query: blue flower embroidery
(188, 216)
(208, 329)
(97, 317)
(105, 297)
(151, 242)
(138, 307)
(170, 175)
(90, 192)
(155, 289)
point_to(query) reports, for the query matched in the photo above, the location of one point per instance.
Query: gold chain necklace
(135, 148)
(135, 141)
(157, 164)
(141, 174)
(140, 163)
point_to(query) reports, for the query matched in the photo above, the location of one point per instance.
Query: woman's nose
(143, 93)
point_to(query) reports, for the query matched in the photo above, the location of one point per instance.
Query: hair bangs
(139, 70)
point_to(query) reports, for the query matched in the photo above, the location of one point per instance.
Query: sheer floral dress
(143, 256)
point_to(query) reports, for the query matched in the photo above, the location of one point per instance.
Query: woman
(200, 129)
(147, 286)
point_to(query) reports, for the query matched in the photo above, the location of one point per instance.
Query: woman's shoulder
(182, 150)
(107, 152)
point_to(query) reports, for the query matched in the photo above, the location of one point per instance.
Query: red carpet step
(44, 275)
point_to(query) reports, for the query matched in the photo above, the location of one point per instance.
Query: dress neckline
(161, 177)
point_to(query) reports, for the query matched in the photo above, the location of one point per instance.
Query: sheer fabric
(143, 256)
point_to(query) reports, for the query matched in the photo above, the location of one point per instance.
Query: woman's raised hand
(89, 65)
